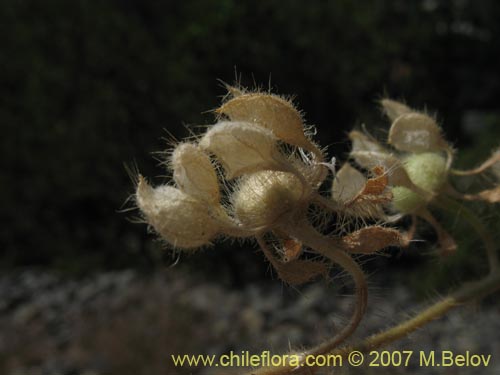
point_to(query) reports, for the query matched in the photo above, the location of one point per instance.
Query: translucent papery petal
(241, 147)
(348, 183)
(271, 112)
(394, 109)
(180, 219)
(194, 173)
(416, 132)
(363, 142)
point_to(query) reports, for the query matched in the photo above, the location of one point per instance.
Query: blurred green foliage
(88, 86)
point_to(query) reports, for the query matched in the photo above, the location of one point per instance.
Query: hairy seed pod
(194, 173)
(271, 112)
(241, 147)
(265, 197)
(428, 172)
(416, 132)
(180, 219)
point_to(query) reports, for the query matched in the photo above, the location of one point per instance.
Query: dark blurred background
(91, 88)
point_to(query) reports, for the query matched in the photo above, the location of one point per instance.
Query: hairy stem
(306, 234)
(467, 293)
(462, 211)
(326, 246)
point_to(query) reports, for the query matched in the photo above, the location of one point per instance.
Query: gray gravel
(123, 323)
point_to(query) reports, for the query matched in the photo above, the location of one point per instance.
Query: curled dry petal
(271, 112)
(194, 173)
(394, 109)
(241, 147)
(371, 239)
(416, 132)
(182, 220)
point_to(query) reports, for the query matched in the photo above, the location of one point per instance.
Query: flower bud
(271, 112)
(264, 197)
(416, 132)
(180, 219)
(194, 174)
(241, 147)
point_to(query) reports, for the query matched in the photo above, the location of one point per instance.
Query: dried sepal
(273, 113)
(291, 249)
(183, 221)
(376, 185)
(194, 173)
(372, 239)
(294, 272)
(416, 132)
(374, 194)
(394, 109)
(241, 147)
(446, 242)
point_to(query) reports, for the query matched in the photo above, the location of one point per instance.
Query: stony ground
(123, 323)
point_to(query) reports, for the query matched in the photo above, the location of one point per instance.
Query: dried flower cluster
(257, 174)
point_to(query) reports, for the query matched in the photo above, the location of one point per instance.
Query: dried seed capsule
(241, 147)
(194, 174)
(271, 112)
(416, 132)
(264, 197)
(180, 219)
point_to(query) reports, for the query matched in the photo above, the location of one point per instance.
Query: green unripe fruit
(428, 172)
